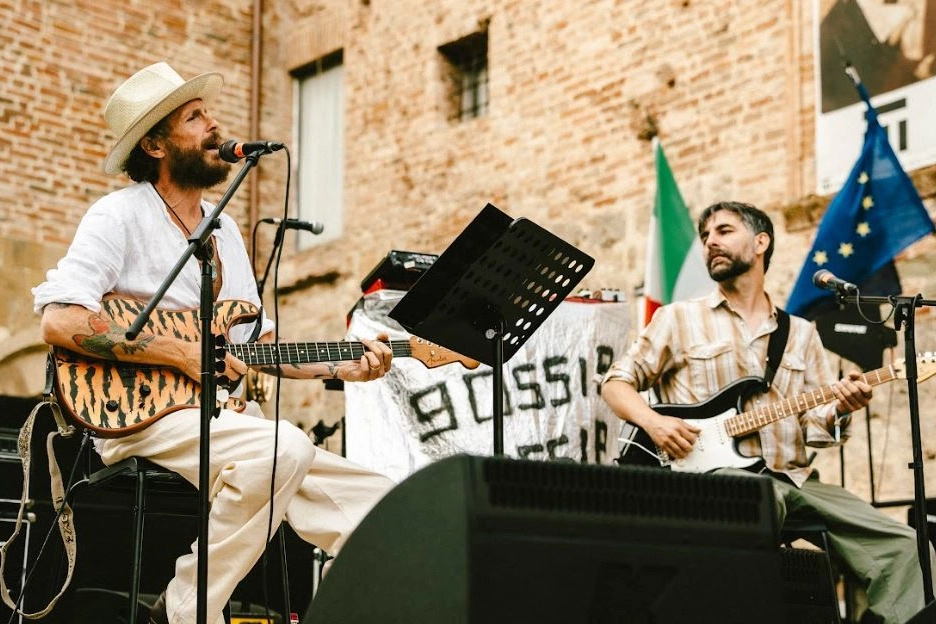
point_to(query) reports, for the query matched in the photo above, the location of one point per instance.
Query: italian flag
(675, 269)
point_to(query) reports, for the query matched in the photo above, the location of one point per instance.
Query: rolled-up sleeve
(819, 374)
(647, 356)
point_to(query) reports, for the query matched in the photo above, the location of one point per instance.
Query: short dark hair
(140, 166)
(755, 219)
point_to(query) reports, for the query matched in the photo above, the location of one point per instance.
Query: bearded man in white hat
(167, 142)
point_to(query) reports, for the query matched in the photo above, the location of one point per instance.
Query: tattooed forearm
(271, 370)
(106, 336)
(330, 373)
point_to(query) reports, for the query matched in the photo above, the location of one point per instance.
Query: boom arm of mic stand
(905, 308)
(197, 241)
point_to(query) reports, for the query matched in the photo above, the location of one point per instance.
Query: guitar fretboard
(752, 420)
(268, 354)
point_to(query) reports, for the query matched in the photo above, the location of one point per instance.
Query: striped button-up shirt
(693, 349)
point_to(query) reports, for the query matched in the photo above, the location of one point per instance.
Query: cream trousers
(321, 495)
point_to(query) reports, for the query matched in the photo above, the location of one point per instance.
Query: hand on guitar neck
(853, 393)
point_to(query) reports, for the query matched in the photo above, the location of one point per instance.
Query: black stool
(143, 476)
(808, 574)
(139, 475)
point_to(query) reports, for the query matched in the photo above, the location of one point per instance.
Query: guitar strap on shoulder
(776, 345)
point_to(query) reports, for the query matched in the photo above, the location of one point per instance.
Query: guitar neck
(269, 354)
(752, 420)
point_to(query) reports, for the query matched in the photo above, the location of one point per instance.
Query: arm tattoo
(106, 336)
(333, 370)
(272, 370)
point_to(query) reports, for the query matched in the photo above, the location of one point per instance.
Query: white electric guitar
(722, 420)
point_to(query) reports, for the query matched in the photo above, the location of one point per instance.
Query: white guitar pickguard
(714, 448)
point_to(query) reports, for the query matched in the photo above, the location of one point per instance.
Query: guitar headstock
(926, 367)
(433, 355)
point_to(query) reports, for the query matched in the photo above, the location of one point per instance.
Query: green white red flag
(675, 269)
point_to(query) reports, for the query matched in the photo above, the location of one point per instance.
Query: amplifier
(399, 270)
(244, 613)
(8, 444)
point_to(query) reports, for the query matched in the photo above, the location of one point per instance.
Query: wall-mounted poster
(892, 46)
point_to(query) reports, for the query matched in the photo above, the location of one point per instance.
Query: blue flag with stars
(876, 215)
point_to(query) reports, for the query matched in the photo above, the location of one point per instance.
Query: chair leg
(284, 571)
(137, 544)
(828, 557)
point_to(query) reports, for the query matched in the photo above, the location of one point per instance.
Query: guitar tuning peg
(220, 366)
(220, 340)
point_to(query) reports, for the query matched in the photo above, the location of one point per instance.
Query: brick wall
(728, 85)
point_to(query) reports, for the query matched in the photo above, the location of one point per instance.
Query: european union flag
(876, 214)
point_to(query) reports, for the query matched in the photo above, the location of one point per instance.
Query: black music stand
(489, 291)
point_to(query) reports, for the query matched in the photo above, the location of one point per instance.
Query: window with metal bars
(466, 74)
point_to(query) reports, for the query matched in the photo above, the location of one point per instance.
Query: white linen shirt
(127, 244)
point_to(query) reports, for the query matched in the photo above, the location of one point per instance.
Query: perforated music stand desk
(489, 291)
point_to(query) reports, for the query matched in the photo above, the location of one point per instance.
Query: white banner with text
(551, 410)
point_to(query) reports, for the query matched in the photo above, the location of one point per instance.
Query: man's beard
(734, 268)
(189, 168)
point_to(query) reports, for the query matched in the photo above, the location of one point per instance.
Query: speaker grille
(633, 491)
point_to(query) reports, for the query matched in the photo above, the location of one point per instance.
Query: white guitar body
(714, 448)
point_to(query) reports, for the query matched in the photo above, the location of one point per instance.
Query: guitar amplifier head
(399, 270)
(9, 447)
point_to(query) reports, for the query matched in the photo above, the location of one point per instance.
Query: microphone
(827, 281)
(315, 227)
(232, 151)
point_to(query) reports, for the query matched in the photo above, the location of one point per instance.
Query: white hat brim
(206, 86)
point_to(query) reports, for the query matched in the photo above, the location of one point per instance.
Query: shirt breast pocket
(709, 364)
(790, 376)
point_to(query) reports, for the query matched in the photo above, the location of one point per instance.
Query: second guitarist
(693, 349)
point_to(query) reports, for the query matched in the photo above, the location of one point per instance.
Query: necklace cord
(209, 244)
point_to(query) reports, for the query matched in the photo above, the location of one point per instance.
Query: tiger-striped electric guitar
(114, 398)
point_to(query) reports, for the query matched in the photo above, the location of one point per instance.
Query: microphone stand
(904, 316)
(197, 247)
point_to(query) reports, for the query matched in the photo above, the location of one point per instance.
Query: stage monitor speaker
(478, 540)
(925, 616)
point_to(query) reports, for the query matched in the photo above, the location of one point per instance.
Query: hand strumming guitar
(671, 434)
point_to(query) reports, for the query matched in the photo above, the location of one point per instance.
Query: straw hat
(144, 99)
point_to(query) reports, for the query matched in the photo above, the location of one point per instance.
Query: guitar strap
(64, 515)
(776, 345)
